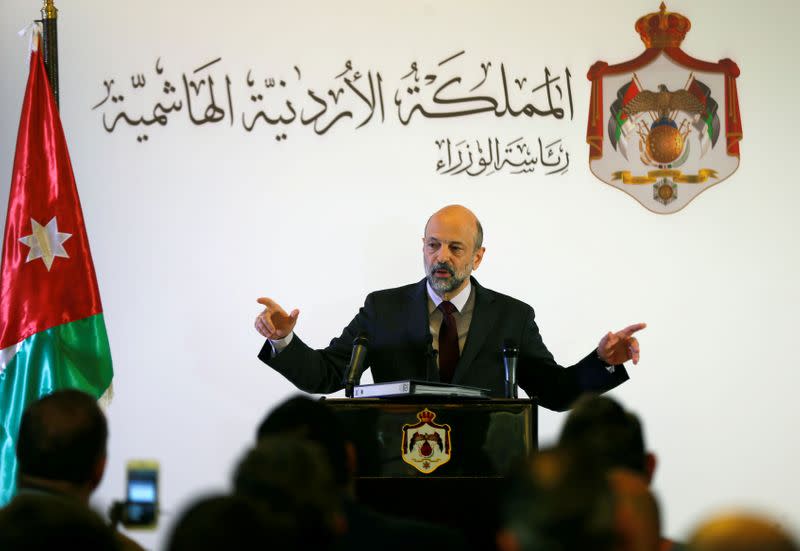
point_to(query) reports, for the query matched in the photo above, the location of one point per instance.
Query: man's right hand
(274, 323)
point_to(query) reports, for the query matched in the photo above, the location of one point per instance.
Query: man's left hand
(619, 347)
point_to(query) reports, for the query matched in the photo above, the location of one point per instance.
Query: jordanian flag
(619, 124)
(52, 333)
(707, 124)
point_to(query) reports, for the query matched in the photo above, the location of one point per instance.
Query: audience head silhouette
(559, 502)
(309, 419)
(291, 476)
(601, 428)
(232, 522)
(62, 444)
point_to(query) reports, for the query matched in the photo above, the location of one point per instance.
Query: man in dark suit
(451, 312)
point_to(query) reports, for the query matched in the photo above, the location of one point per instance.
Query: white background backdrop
(188, 229)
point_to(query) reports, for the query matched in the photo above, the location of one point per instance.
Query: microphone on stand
(431, 370)
(357, 357)
(510, 356)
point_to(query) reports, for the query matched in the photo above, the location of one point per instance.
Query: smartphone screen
(141, 507)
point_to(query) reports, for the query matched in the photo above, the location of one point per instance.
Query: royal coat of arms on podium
(664, 126)
(426, 444)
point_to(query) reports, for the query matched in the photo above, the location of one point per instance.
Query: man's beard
(450, 284)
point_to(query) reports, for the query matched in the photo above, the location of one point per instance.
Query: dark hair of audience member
(291, 476)
(307, 418)
(62, 437)
(602, 428)
(43, 522)
(560, 501)
(232, 522)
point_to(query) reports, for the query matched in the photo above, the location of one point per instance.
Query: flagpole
(50, 44)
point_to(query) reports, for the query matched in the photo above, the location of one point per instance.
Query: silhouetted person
(613, 436)
(291, 476)
(558, 502)
(637, 519)
(43, 522)
(62, 445)
(232, 522)
(61, 448)
(602, 427)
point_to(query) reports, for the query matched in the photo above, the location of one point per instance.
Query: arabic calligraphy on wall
(210, 95)
(352, 97)
(491, 155)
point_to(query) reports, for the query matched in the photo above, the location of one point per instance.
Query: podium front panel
(430, 438)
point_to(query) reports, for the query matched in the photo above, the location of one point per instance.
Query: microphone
(357, 357)
(510, 356)
(431, 371)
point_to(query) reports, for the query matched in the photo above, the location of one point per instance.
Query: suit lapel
(418, 324)
(418, 328)
(484, 315)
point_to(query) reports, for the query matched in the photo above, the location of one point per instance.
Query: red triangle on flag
(43, 207)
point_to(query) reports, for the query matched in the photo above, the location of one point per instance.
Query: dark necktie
(448, 342)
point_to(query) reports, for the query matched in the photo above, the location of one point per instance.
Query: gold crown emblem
(426, 415)
(663, 29)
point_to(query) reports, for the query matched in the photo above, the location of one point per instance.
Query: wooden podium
(437, 459)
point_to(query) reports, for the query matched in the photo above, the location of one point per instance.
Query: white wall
(189, 228)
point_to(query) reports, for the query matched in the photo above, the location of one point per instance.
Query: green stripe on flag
(620, 123)
(73, 355)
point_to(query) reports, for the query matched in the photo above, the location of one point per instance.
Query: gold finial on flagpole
(49, 10)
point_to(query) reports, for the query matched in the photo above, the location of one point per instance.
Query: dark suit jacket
(396, 323)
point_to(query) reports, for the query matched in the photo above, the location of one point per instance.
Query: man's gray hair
(478, 234)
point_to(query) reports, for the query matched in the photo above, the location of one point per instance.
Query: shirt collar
(459, 301)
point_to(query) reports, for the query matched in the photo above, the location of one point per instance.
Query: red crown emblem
(663, 29)
(426, 415)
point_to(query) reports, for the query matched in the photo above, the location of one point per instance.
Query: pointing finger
(268, 302)
(631, 329)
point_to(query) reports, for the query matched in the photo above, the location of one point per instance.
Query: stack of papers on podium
(417, 388)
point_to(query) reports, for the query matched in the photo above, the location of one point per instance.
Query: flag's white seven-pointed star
(46, 242)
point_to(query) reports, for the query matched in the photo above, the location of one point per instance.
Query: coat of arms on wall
(664, 126)
(426, 445)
